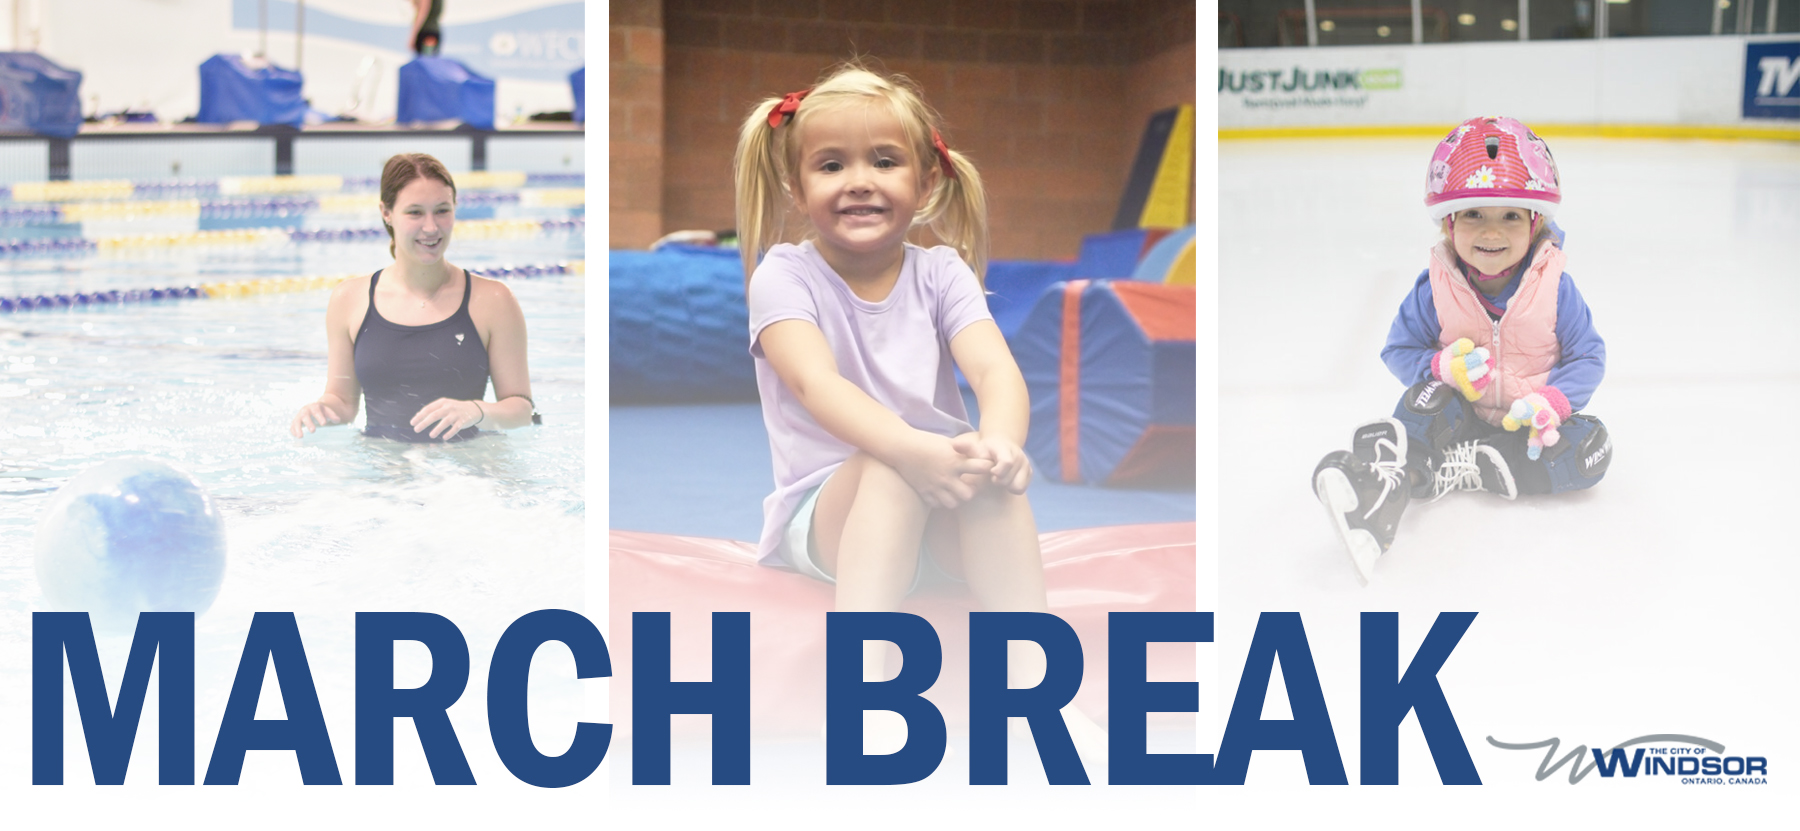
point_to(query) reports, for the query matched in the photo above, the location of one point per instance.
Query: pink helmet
(1490, 161)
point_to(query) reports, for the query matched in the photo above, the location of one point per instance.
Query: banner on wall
(527, 40)
(1300, 87)
(1641, 81)
(1305, 87)
(1772, 80)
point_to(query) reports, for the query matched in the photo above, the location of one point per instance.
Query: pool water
(480, 531)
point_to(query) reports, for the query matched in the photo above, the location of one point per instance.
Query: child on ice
(880, 478)
(1496, 344)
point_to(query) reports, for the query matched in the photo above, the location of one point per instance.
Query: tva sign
(1771, 71)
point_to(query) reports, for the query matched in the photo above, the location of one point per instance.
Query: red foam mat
(1088, 573)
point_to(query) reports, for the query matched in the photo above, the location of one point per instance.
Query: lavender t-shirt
(897, 351)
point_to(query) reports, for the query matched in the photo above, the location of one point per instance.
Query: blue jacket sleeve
(1577, 374)
(1413, 338)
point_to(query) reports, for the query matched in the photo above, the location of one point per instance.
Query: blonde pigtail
(759, 170)
(959, 215)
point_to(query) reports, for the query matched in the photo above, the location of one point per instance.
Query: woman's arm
(800, 356)
(982, 355)
(501, 324)
(339, 402)
(506, 358)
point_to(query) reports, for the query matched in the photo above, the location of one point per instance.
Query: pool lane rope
(252, 288)
(467, 229)
(360, 203)
(91, 189)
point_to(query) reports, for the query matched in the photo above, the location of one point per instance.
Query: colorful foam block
(1110, 368)
(1171, 260)
(1115, 255)
(1159, 189)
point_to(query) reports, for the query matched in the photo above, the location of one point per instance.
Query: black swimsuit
(428, 30)
(403, 368)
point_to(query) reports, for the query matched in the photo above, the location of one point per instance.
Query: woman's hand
(450, 415)
(936, 470)
(1012, 468)
(311, 417)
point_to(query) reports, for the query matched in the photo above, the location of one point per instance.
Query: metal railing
(1320, 22)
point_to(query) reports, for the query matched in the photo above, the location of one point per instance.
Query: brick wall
(1048, 96)
(635, 122)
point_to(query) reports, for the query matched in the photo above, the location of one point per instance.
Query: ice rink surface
(1660, 601)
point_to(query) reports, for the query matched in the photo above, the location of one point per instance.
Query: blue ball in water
(129, 536)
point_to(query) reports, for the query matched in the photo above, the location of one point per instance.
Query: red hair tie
(943, 154)
(790, 104)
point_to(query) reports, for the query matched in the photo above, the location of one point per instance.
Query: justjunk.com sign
(1772, 80)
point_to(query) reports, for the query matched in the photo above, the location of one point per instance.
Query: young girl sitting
(1496, 343)
(880, 479)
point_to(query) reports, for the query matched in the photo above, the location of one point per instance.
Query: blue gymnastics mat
(702, 470)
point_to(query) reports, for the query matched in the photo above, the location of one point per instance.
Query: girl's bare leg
(1005, 571)
(866, 530)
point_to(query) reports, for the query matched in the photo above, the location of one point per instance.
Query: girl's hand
(1543, 411)
(311, 417)
(1012, 468)
(1465, 367)
(935, 469)
(450, 415)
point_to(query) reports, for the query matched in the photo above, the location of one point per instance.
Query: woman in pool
(420, 338)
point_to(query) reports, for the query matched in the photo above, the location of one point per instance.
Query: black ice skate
(1365, 491)
(1473, 466)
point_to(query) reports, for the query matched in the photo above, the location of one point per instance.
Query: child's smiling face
(859, 180)
(1493, 239)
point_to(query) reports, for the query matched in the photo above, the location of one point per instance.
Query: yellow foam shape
(280, 184)
(553, 197)
(577, 266)
(1185, 270)
(72, 190)
(488, 180)
(1168, 202)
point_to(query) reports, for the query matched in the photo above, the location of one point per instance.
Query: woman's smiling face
(423, 215)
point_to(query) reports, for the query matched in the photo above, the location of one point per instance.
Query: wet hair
(400, 171)
(766, 167)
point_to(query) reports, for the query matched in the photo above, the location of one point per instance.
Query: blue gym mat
(702, 470)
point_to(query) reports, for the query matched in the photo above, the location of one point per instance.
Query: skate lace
(1391, 468)
(1457, 472)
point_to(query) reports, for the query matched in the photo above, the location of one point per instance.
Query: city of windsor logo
(1670, 758)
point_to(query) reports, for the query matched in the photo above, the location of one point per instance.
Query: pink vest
(1522, 342)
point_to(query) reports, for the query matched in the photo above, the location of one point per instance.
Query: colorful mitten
(1543, 411)
(1463, 366)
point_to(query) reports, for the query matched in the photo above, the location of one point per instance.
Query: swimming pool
(479, 532)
